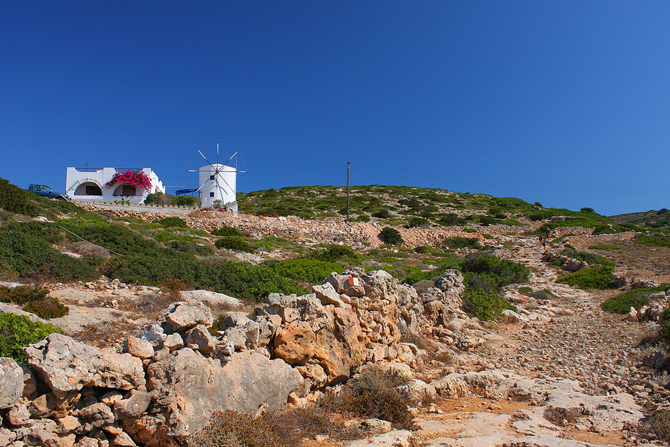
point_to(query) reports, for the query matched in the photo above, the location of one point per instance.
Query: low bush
(451, 219)
(382, 214)
(656, 239)
(233, 429)
(635, 298)
(189, 247)
(15, 200)
(416, 222)
(227, 231)
(186, 201)
(463, 242)
(600, 278)
(252, 282)
(34, 300)
(657, 424)
(171, 222)
(484, 304)
(235, 243)
(542, 295)
(374, 394)
(308, 270)
(391, 236)
(334, 253)
(26, 251)
(17, 331)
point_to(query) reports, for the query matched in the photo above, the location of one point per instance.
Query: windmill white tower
(218, 183)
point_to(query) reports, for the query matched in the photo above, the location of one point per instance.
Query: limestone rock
(133, 405)
(328, 295)
(11, 382)
(173, 342)
(67, 365)
(183, 316)
(188, 388)
(201, 340)
(140, 348)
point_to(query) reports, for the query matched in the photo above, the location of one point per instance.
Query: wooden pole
(348, 173)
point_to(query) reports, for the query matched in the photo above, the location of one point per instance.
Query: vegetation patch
(654, 239)
(17, 331)
(391, 236)
(463, 242)
(235, 243)
(308, 270)
(374, 394)
(600, 278)
(636, 298)
(15, 200)
(657, 424)
(35, 301)
(227, 231)
(171, 222)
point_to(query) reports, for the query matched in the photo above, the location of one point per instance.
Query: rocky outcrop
(11, 383)
(189, 387)
(66, 365)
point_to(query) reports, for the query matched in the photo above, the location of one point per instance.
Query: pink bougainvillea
(133, 178)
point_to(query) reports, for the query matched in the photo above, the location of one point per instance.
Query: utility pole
(348, 173)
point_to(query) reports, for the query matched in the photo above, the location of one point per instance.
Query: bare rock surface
(11, 382)
(188, 388)
(67, 365)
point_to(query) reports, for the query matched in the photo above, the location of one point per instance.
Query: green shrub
(484, 304)
(186, 201)
(234, 243)
(25, 249)
(189, 247)
(382, 214)
(415, 222)
(487, 220)
(542, 295)
(334, 253)
(252, 282)
(15, 200)
(451, 219)
(656, 239)
(34, 300)
(308, 270)
(600, 278)
(496, 271)
(636, 298)
(463, 242)
(391, 236)
(17, 331)
(172, 222)
(47, 308)
(226, 231)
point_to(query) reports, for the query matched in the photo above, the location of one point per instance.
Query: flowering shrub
(133, 178)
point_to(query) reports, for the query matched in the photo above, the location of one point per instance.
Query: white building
(91, 184)
(218, 183)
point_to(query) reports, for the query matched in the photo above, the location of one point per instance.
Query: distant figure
(540, 240)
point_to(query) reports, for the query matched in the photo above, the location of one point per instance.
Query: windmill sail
(218, 182)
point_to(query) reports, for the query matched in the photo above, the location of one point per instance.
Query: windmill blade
(231, 157)
(205, 158)
(231, 188)
(203, 185)
(217, 152)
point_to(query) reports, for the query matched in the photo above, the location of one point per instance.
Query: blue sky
(566, 103)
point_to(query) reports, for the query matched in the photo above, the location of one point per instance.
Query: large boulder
(11, 382)
(188, 387)
(183, 316)
(67, 365)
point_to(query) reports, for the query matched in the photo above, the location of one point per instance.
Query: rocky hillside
(653, 219)
(214, 328)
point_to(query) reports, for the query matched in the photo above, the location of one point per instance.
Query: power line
(27, 164)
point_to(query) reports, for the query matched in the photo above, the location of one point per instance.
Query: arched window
(88, 189)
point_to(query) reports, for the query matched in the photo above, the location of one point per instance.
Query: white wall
(226, 191)
(76, 182)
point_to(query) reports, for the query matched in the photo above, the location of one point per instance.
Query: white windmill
(218, 182)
